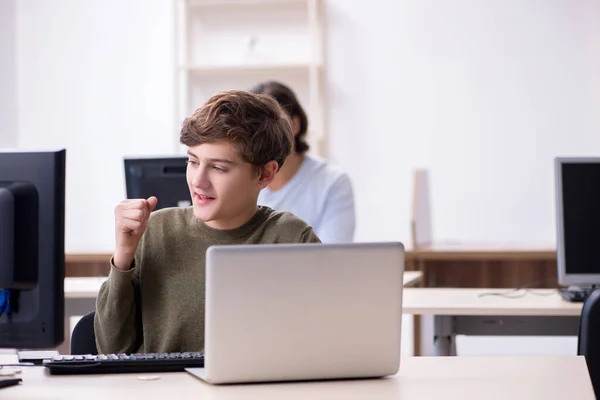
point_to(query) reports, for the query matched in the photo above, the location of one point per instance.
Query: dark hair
(254, 123)
(287, 99)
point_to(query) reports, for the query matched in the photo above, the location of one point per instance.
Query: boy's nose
(201, 179)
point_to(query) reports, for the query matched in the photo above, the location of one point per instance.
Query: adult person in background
(313, 189)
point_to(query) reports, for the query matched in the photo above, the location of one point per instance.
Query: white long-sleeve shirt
(321, 194)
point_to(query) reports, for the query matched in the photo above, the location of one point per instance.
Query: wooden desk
(477, 312)
(486, 251)
(87, 258)
(444, 265)
(507, 265)
(463, 264)
(79, 265)
(419, 377)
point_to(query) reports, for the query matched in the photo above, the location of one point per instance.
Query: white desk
(448, 378)
(455, 311)
(87, 288)
(80, 299)
(81, 293)
(83, 288)
(466, 311)
(412, 278)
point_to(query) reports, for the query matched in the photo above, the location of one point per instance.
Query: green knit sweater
(158, 305)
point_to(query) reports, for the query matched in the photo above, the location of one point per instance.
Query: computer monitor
(160, 177)
(578, 220)
(32, 251)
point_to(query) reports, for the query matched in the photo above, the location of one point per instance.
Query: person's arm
(117, 323)
(309, 236)
(337, 221)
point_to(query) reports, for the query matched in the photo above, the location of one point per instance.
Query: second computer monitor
(162, 177)
(578, 220)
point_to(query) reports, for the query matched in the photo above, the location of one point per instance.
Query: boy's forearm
(116, 323)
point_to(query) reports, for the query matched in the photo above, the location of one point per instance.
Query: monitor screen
(160, 177)
(32, 252)
(578, 202)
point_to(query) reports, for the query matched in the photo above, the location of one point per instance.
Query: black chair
(83, 339)
(589, 338)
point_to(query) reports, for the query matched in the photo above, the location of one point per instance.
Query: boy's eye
(219, 169)
(192, 162)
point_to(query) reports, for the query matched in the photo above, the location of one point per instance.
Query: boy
(153, 300)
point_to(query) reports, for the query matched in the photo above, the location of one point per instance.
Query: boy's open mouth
(202, 199)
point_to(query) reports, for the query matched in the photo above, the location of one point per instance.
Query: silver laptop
(289, 312)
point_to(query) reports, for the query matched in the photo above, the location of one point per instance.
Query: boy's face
(224, 188)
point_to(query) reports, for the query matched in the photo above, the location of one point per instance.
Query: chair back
(83, 339)
(589, 338)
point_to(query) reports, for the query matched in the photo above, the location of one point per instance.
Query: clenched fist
(131, 217)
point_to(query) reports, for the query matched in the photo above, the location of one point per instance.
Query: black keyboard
(120, 363)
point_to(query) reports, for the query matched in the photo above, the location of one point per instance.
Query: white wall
(96, 77)
(482, 93)
(8, 75)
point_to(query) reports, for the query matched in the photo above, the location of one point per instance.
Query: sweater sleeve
(117, 322)
(309, 236)
(337, 221)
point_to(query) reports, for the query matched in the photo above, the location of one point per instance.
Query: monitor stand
(576, 294)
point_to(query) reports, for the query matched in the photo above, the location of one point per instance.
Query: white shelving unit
(235, 44)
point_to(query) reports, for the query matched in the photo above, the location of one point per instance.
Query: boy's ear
(267, 173)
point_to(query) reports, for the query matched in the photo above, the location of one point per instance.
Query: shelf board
(245, 68)
(225, 3)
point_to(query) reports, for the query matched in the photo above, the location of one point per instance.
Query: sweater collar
(232, 234)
